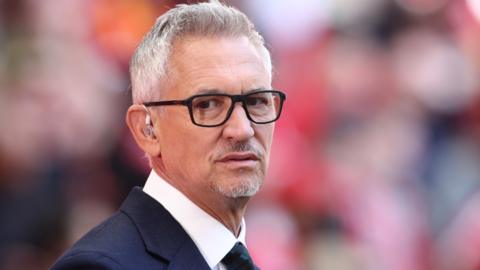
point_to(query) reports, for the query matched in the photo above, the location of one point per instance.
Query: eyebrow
(255, 90)
(217, 91)
(209, 91)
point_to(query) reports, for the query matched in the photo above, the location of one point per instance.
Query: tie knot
(238, 258)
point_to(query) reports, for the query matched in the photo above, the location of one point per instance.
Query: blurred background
(376, 159)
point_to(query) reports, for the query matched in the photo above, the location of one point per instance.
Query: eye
(206, 103)
(257, 100)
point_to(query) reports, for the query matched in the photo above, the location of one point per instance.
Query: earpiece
(148, 120)
(148, 129)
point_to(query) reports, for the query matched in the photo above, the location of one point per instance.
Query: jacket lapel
(161, 233)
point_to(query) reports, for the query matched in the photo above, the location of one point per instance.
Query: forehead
(227, 64)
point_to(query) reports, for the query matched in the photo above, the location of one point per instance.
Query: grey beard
(240, 147)
(245, 190)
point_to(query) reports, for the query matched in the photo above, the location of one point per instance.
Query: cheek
(266, 138)
(264, 135)
(192, 147)
(184, 159)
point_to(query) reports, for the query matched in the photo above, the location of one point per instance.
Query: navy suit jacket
(141, 235)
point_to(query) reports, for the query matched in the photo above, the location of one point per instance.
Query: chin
(243, 190)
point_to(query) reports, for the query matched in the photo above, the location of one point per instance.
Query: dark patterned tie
(238, 259)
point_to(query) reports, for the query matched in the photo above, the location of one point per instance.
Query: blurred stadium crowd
(376, 159)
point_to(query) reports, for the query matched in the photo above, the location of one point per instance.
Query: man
(203, 113)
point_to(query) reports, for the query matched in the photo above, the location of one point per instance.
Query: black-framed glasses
(213, 110)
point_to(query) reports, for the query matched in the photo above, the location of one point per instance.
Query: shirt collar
(211, 237)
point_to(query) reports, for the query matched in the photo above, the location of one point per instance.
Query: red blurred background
(376, 159)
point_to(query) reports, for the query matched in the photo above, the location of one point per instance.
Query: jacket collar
(161, 233)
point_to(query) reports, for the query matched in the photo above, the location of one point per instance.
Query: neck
(228, 211)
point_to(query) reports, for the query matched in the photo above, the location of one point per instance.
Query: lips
(239, 160)
(244, 156)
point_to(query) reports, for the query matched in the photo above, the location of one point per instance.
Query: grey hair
(210, 19)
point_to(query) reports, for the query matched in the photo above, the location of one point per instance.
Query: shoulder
(114, 244)
(83, 259)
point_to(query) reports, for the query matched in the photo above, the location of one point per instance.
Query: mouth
(239, 160)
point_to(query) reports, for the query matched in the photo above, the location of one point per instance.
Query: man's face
(229, 160)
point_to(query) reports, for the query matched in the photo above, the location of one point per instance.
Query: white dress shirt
(211, 237)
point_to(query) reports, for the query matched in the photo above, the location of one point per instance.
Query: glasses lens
(210, 109)
(263, 107)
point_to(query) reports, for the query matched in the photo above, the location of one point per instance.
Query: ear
(135, 119)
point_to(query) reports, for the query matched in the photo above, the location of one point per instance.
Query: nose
(238, 127)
